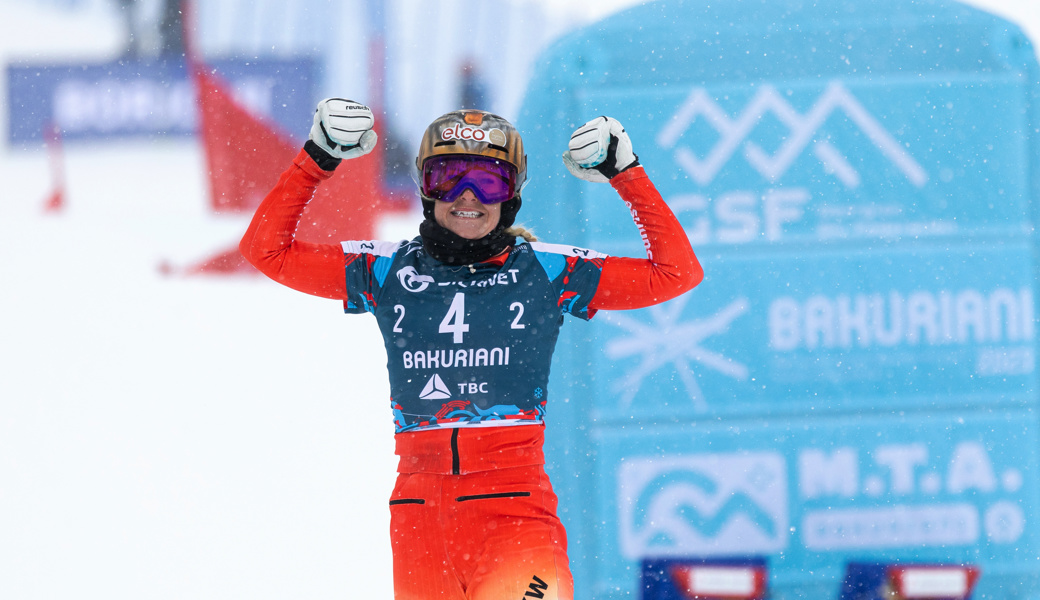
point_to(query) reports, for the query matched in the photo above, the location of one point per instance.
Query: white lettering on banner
(714, 504)
(833, 475)
(1005, 361)
(971, 469)
(740, 217)
(734, 134)
(917, 319)
(901, 460)
(837, 474)
(891, 527)
(904, 470)
(110, 105)
(458, 358)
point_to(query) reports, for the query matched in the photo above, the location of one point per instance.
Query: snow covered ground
(176, 437)
(166, 436)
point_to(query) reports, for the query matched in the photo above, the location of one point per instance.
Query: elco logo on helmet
(461, 132)
(445, 177)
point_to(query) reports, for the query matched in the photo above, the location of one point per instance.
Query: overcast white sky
(1026, 13)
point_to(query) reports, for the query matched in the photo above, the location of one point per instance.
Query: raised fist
(599, 150)
(343, 128)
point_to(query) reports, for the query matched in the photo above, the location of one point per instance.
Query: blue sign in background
(834, 329)
(855, 378)
(130, 99)
(811, 493)
(812, 161)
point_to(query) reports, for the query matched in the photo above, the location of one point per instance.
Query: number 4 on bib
(455, 321)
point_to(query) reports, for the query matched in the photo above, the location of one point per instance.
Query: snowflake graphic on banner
(667, 341)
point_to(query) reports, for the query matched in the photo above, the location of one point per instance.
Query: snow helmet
(476, 133)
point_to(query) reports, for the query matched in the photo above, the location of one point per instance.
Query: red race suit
(473, 515)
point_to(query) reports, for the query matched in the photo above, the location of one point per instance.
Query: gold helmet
(474, 132)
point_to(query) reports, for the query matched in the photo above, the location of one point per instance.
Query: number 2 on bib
(455, 321)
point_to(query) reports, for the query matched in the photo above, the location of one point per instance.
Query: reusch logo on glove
(459, 131)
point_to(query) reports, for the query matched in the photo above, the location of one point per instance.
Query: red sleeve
(670, 267)
(270, 242)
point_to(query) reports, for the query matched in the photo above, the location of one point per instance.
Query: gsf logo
(803, 134)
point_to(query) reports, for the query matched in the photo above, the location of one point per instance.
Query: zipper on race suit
(493, 496)
(455, 451)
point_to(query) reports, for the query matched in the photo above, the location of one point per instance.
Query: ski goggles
(445, 177)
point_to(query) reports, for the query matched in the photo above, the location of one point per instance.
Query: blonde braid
(521, 231)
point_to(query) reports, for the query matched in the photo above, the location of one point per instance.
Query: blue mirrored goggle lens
(444, 178)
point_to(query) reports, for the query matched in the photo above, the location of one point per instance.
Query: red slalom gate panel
(245, 154)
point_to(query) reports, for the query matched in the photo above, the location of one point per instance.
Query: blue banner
(836, 329)
(144, 99)
(836, 161)
(810, 493)
(856, 376)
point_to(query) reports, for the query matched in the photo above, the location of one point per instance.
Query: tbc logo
(412, 281)
(804, 130)
(703, 505)
(435, 389)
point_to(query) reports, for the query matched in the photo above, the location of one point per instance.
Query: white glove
(599, 150)
(343, 128)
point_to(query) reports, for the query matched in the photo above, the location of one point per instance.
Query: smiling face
(466, 217)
